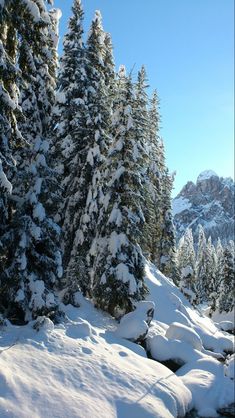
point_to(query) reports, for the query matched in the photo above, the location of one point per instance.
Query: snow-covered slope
(83, 371)
(82, 368)
(209, 202)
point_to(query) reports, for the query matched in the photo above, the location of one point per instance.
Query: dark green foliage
(227, 288)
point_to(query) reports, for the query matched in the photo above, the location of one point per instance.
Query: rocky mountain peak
(209, 202)
(206, 175)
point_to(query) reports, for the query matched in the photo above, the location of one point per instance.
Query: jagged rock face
(209, 202)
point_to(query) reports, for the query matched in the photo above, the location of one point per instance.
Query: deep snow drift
(84, 368)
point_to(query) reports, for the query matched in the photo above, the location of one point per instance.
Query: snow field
(86, 366)
(78, 370)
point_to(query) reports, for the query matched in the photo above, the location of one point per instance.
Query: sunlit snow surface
(82, 369)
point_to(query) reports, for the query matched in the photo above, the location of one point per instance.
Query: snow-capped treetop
(122, 71)
(204, 175)
(98, 17)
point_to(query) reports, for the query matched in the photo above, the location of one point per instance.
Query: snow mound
(224, 316)
(226, 325)
(210, 388)
(172, 306)
(205, 175)
(61, 374)
(163, 349)
(134, 325)
(79, 329)
(181, 332)
(43, 324)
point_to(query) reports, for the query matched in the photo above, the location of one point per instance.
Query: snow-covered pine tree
(71, 117)
(96, 141)
(205, 270)
(186, 265)
(141, 133)
(32, 260)
(200, 266)
(211, 286)
(118, 271)
(109, 67)
(167, 263)
(227, 292)
(219, 264)
(155, 170)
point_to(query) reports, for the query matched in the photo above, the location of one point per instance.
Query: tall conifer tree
(30, 243)
(155, 171)
(186, 265)
(96, 140)
(227, 292)
(118, 272)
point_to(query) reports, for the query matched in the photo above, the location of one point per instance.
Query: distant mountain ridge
(209, 202)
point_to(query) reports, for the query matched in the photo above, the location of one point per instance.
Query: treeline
(207, 271)
(85, 191)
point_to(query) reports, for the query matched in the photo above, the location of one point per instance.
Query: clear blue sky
(187, 47)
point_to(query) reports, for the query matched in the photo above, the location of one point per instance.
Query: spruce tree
(167, 263)
(227, 293)
(118, 271)
(141, 132)
(186, 265)
(211, 275)
(109, 70)
(206, 270)
(155, 170)
(31, 260)
(96, 142)
(219, 265)
(201, 266)
(71, 117)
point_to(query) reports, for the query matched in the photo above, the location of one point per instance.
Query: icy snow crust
(82, 368)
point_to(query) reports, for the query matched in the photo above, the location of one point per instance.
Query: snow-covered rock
(210, 388)
(177, 331)
(180, 352)
(79, 329)
(220, 317)
(42, 323)
(134, 325)
(226, 325)
(172, 306)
